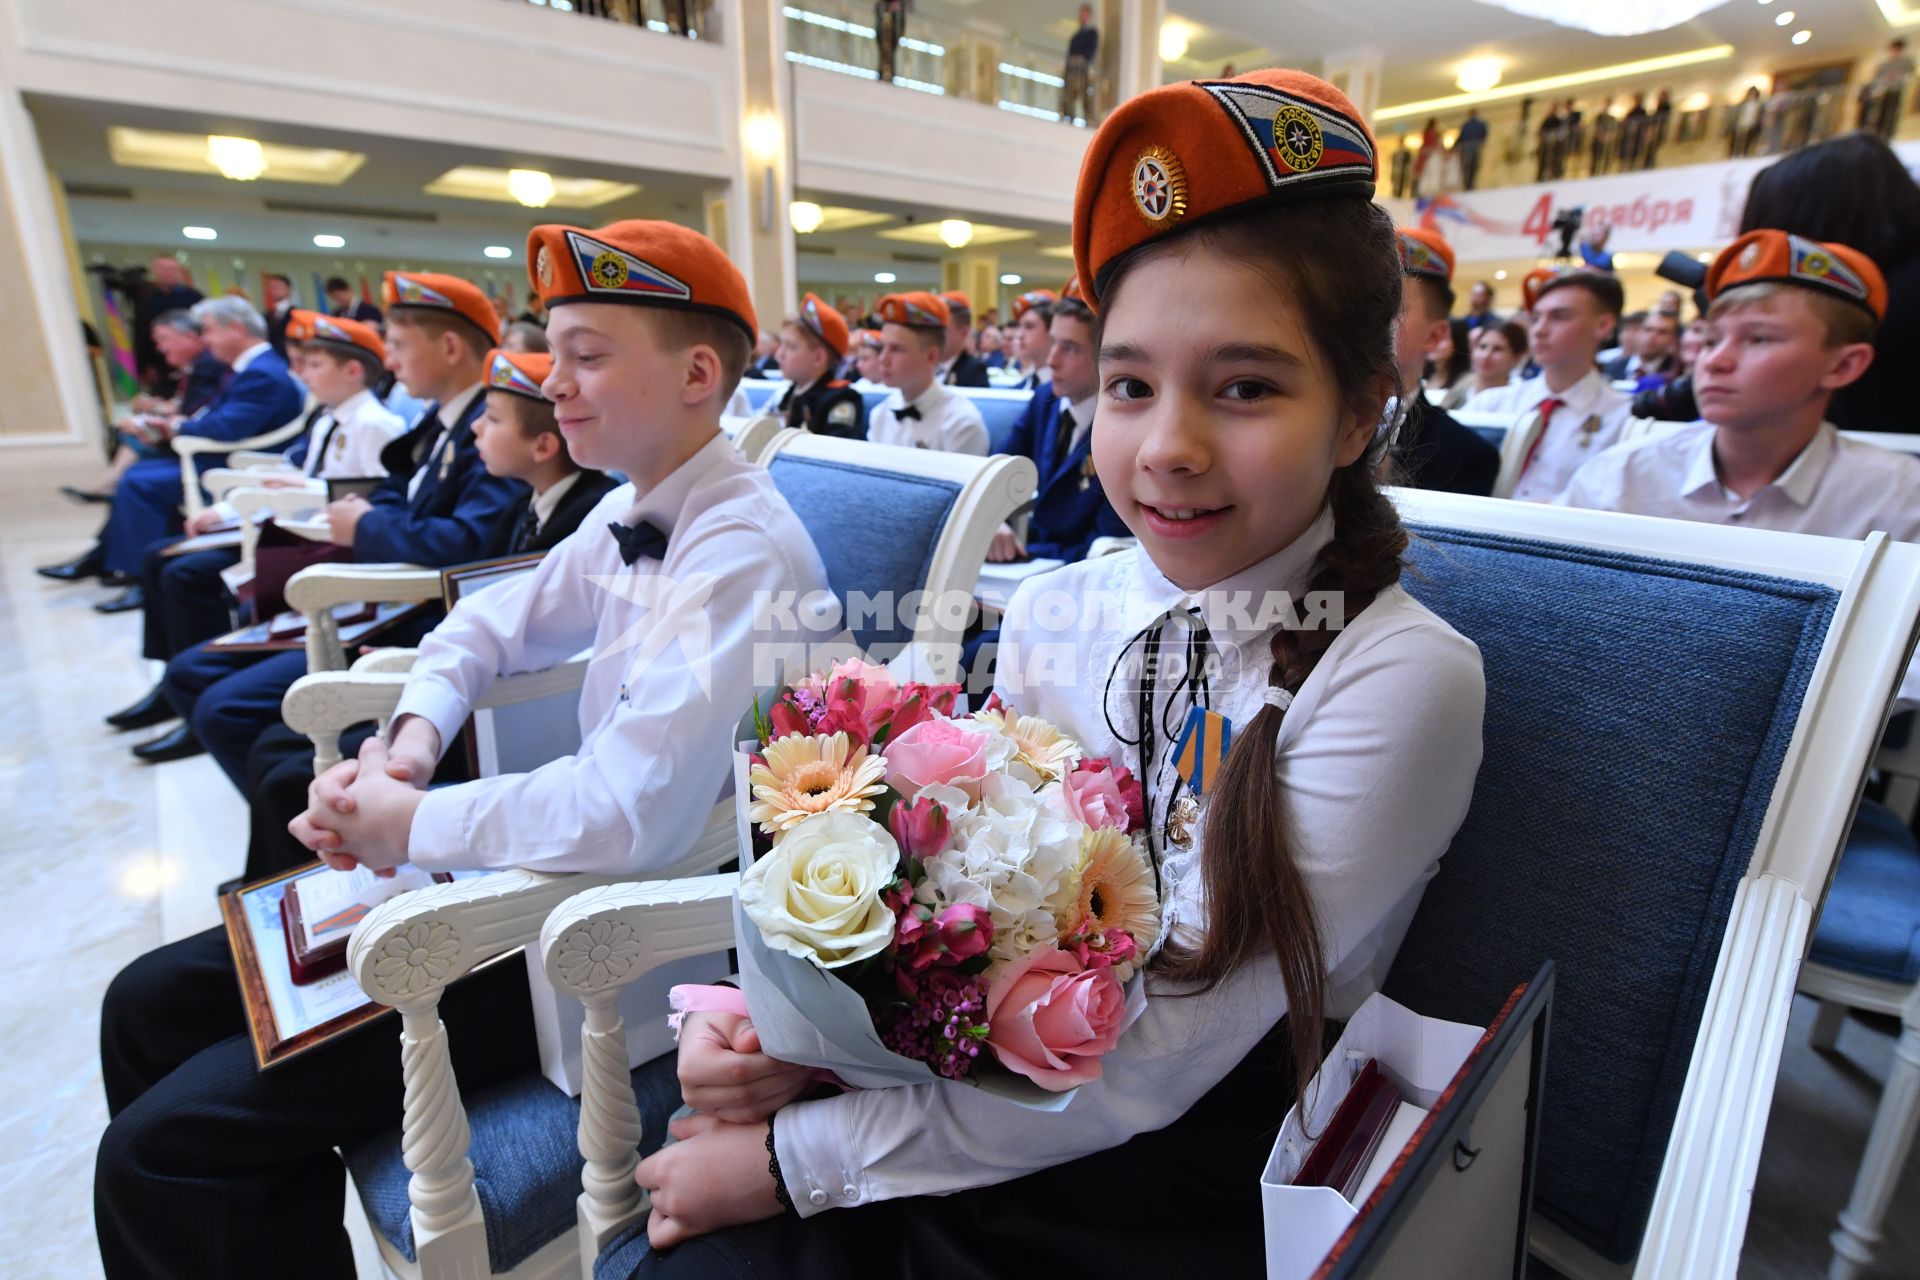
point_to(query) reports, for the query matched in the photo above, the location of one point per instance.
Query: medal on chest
(1201, 750)
(446, 460)
(1086, 474)
(339, 445)
(1181, 817)
(1589, 429)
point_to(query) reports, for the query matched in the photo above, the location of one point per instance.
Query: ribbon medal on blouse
(1201, 751)
(446, 459)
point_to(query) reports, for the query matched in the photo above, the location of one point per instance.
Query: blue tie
(638, 540)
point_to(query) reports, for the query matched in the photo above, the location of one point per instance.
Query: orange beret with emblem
(338, 331)
(824, 323)
(1183, 153)
(1776, 257)
(640, 263)
(1534, 282)
(956, 301)
(1425, 253)
(518, 373)
(869, 338)
(918, 310)
(425, 291)
(1033, 298)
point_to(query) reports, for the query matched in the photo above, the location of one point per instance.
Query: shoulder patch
(843, 414)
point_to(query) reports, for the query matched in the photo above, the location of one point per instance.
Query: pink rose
(1093, 796)
(1050, 1020)
(958, 934)
(935, 753)
(1126, 788)
(920, 827)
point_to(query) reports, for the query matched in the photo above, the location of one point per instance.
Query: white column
(759, 237)
(1356, 73)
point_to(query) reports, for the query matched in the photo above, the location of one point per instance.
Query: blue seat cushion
(1637, 714)
(1495, 436)
(871, 573)
(526, 1162)
(1870, 925)
(1000, 416)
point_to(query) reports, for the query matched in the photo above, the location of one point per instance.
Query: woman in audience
(1498, 349)
(1452, 362)
(1245, 367)
(1853, 190)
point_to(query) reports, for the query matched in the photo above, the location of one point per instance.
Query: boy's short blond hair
(434, 322)
(1845, 322)
(676, 330)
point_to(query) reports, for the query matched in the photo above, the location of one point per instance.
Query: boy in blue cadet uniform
(437, 507)
(199, 1136)
(1032, 314)
(960, 367)
(812, 345)
(1070, 509)
(1433, 450)
(261, 396)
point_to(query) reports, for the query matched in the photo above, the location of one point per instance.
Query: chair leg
(1888, 1145)
(1826, 1026)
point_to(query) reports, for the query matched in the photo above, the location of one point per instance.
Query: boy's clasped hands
(360, 812)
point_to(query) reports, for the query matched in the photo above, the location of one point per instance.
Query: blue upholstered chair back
(1000, 414)
(873, 397)
(1637, 715)
(1495, 436)
(759, 392)
(876, 531)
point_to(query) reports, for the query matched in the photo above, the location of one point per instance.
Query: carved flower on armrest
(420, 957)
(598, 955)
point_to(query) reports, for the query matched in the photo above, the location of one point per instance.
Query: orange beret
(652, 264)
(1072, 289)
(428, 292)
(1777, 257)
(1033, 298)
(518, 372)
(1426, 253)
(317, 326)
(824, 323)
(1181, 153)
(870, 337)
(956, 300)
(1534, 281)
(915, 310)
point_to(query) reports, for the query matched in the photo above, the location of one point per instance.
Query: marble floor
(106, 858)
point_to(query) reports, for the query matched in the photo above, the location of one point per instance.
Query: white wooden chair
(1824, 628)
(188, 448)
(945, 509)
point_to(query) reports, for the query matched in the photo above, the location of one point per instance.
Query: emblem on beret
(543, 268)
(609, 270)
(1749, 256)
(1297, 139)
(1159, 186)
(1813, 263)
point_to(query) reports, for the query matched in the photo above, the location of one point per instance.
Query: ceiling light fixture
(1802, 36)
(806, 216)
(1499, 275)
(1547, 84)
(531, 187)
(497, 251)
(200, 233)
(324, 241)
(1477, 75)
(956, 233)
(1010, 278)
(884, 277)
(763, 136)
(1785, 18)
(240, 159)
(1175, 38)
(1616, 18)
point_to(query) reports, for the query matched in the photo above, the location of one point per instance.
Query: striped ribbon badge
(1202, 748)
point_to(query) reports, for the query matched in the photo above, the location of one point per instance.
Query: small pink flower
(920, 827)
(1103, 950)
(935, 753)
(1132, 798)
(924, 940)
(1093, 796)
(1051, 1020)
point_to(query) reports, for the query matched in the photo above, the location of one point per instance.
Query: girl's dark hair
(1849, 190)
(1516, 335)
(1338, 261)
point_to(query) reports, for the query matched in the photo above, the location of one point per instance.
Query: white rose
(817, 894)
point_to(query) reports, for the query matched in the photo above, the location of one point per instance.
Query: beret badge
(1159, 186)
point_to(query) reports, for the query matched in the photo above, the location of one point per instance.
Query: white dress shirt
(1837, 488)
(948, 421)
(1377, 758)
(1566, 440)
(450, 413)
(547, 501)
(657, 724)
(346, 441)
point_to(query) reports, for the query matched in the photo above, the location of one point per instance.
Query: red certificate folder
(1341, 1157)
(310, 964)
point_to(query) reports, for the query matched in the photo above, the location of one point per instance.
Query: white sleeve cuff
(816, 1157)
(437, 839)
(434, 701)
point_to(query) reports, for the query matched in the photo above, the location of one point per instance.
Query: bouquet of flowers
(956, 896)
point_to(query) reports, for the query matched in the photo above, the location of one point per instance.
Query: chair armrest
(187, 447)
(385, 661)
(316, 589)
(248, 459)
(219, 481)
(252, 500)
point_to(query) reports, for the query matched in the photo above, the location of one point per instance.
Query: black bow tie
(638, 540)
(907, 411)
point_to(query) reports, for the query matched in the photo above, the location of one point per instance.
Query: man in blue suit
(260, 396)
(1070, 509)
(437, 507)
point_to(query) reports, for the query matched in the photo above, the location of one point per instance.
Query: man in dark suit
(261, 396)
(343, 302)
(437, 506)
(1070, 508)
(959, 367)
(1433, 451)
(278, 309)
(166, 290)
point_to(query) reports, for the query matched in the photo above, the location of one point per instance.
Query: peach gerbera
(808, 774)
(1038, 744)
(1115, 889)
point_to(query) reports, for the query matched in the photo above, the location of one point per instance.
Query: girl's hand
(724, 1075)
(715, 1175)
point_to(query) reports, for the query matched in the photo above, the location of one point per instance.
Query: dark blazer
(1615, 369)
(583, 495)
(452, 518)
(1435, 452)
(969, 370)
(1070, 509)
(830, 407)
(297, 455)
(277, 329)
(253, 403)
(201, 382)
(362, 310)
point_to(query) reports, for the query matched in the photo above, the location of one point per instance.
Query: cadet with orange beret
(1032, 336)
(813, 343)
(341, 361)
(518, 439)
(1433, 451)
(921, 413)
(960, 367)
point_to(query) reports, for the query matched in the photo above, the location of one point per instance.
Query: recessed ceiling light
(200, 233)
(884, 277)
(1010, 278)
(1477, 75)
(1499, 275)
(1547, 84)
(497, 251)
(241, 159)
(531, 187)
(806, 216)
(956, 233)
(1801, 37)
(330, 242)
(1784, 17)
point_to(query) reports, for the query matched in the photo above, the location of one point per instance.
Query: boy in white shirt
(1568, 412)
(1033, 336)
(651, 328)
(921, 413)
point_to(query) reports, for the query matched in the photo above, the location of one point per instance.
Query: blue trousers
(230, 699)
(146, 509)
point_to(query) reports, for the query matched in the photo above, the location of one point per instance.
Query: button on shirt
(656, 741)
(346, 442)
(1377, 758)
(1563, 444)
(450, 413)
(948, 421)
